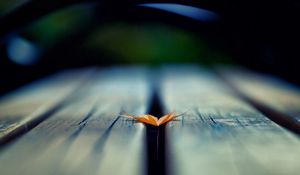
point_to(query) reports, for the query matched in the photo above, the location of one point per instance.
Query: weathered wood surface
(31, 104)
(266, 89)
(88, 136)
(72, 125)
(219, 133)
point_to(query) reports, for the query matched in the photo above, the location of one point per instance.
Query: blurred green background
(118, 42)
(54, 35)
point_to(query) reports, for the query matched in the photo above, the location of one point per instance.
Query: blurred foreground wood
(72, 123)
(220, 133)
(88, 135)
(266, 89)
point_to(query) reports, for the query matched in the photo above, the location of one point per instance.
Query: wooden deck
(234, 122)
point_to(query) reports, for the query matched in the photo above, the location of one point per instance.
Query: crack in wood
(155, 140)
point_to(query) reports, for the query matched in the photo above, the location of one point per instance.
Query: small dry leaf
(152, 120)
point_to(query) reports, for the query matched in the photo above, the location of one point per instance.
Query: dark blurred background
(38, 38)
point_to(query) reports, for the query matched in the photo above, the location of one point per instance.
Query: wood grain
(219, 133)
(269, 90)
(26, 107)
(88, 136)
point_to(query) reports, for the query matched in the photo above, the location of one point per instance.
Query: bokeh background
(38, 38)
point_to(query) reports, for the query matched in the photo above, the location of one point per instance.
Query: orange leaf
(152, 120)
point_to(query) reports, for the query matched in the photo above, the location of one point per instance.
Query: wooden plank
(88, 136)
(26, 107)
(266, 89)
(219, 133)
